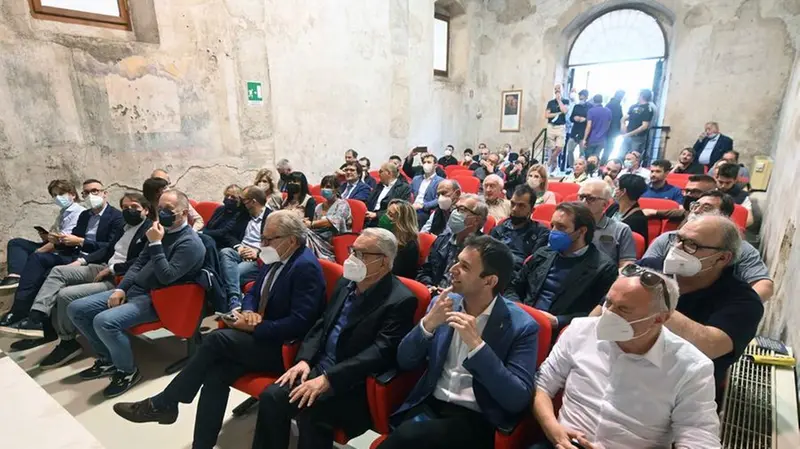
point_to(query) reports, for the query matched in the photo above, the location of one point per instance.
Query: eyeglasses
(86, 193)
(588, 198)
(689, 245)
(463, 209)
(648, 279)
(361, 253)
(696, 206)
(265, 241)
(694, 193)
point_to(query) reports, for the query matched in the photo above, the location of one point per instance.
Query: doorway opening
(624, 49)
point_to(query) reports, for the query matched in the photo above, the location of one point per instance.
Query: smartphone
(227, 317)
(41, 230)
(421, 149)
(576, 444)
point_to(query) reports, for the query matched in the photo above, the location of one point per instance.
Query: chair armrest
(519, 436)
(387, 392)
(289, 352)
(179, 308)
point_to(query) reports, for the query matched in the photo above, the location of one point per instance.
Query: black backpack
(209, 279)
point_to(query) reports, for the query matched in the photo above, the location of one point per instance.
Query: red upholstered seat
(544, 212)
(641, 246)
(359, 212)
(468, 183)
(678, 180)
(315, 189)
(564, 188)
(206, 209)
(425, 242)
(341, 244)
(489, 225)
(656, 225)
(453, 170)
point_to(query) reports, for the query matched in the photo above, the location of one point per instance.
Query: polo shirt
(638, 114)
(615, 239)
(601, 123)
(667, 192)
(552, 107)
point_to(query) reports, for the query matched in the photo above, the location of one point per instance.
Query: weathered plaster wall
(729, 61)
(781, 241)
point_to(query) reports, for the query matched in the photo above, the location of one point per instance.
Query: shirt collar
(74, 207)
(579, 252)
(603, 223)
(102, 211)
(185, 224)
(392, 183)
(260, 216)
(655, 354)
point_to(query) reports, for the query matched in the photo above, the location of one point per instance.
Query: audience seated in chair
(468, 161)
(354, 188)
(412, 166)
(489, 165)
(537, 180)
(696, 186)
(570, 276)
(467, 219)
(732, 157)
(516, 174)
(174, 255)
(448, 159)
(284, 169)
(448, 192)
(747, 265)
(423, 188)
(495, 197)
(628, 380)
(579, 173)
(265, 181)
(195, 219)
(95, 274)
(711, 145)
(659, 187)
(366, 166)
(612, 237)
(519, 232)
(632, 166)
(687, 164)
(612, 171)
(98, 227)
(228, 223)
(331, 218)
(401, 220)
(480, 374)
(726, 182)
(628, 189)
(298, 199)
(287, 299)
(18, 250)
(390, 188)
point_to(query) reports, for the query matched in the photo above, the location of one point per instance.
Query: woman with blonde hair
(265, 181)
(537, 180)
(401, 220)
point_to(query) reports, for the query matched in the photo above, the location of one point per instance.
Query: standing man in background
(555, 114)
(637, 123)
(578, 133)
(598, 126)
(615, 106)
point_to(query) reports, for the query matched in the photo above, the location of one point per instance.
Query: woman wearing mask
(152, 190)
(331, 218)
(229, 221)
(401, 220)
(298, 199)
(515, 174)
(537, 180)
(265, 181)
(578, 174)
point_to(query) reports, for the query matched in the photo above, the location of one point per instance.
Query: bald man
(499, 205)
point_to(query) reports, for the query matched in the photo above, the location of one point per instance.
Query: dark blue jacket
(138, 243)
(360, 192)
(227, 227)
(503, 371)
(430, 198)
(522, 242)
(295, 302)
(109, 230)
(442, 252)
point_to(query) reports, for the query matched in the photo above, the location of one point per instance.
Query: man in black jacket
(711, 145)
(578, 118)
(448, 192)
(521, 234)
(448, 158)
(387, 190)
(568, 278)
(369, 314)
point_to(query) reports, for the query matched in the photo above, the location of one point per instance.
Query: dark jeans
(542, 445)
(450, 426)
(348, 411)
(17, 253)
(224, 356)
(33, 275)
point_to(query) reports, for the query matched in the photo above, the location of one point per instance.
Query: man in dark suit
(370, 312)
(388, 189)
(480, 350)
(570, 276)
(711, 145)
(354, 188)
(97, 227)
(287, 299)
(520, 233)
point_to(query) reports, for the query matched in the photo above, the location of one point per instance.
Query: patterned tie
(262, 305)
(347, 191)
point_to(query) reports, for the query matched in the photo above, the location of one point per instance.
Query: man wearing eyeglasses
(695, 187)
(628, 380)
(98, 226)
(354, 188)
(747, 266)
(612, 237)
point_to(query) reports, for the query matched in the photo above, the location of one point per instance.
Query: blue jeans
(106, 329)
(236, 272)
(17, 253)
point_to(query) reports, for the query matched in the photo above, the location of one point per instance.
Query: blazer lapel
(497, 328)
(364, 306)
(543, 262)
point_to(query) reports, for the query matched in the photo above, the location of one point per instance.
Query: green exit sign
(254, 93)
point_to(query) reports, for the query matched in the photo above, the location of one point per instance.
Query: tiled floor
(84, 400)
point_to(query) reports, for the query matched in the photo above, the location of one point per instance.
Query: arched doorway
(623, 49)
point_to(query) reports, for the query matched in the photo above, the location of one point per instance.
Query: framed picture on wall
(511, 111)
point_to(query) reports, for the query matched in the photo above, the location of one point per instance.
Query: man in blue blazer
(354, 188)
(480, 351)
(287, 299)
(423, 187)
(97, 226)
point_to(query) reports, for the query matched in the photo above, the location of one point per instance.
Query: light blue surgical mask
(457, 222)
(63, 201)
(327, 194)
(627, 163)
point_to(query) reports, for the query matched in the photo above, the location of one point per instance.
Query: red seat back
(193, 203)
(318, 198)
(179, 308)
(469, 184)
(359, 211)
(332, 272)
(559, 197)
(570, 198)
(564, 188)
(544, 212)
(656, 225)
(489, 225)
(739, 216)
(641, 246)
(206, 209)
(452, 170)
(678, 180)
(425, 242)
(375, 175)
(423, 296)
(545, 332)
(314, 189)
(341, 244)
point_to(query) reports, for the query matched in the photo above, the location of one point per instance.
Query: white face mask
(448, 152)
(679, 262)
(445, 202)
(354, 269)
(269, 255)
(94, 201)
(427, 168)
(612, 327)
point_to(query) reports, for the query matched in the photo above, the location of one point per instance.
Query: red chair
(564, 188)
(314, 189)
(641, 246)
(206, 209)
(180, 311)
(341, 246)
(319, 199)
(193, 203)
(678, 180)
(359, 212)
(375, 175)
(545, 223)
(739, 216)
(284, 195)
(544, 212)
(491, 222)
(425, 242)
(570, 198)
(559, 197)
(451, 170)
(656, 225)
(469, 184)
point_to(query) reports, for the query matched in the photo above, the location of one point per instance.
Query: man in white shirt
(387, 190)
(627, 381)
(424, 186)
(480, 351)
(633, 165)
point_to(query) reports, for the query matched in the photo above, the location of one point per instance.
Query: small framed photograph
(511, 111)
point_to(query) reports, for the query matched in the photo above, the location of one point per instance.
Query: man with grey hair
(384, 192)
(499, 205)
(448, 192)
(628, 380)
(283, 167)
(489, 166)
(612, 237)
(285, 302)
(467, 219)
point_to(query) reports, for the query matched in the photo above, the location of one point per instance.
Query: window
(441, 45)
(106, 13)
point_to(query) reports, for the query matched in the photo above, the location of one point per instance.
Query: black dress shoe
(101, 368)
(62, 354)
(143, 411)
(121, 382)
(27, 328)
(24, 345)
(9, 282)
(9, 320)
